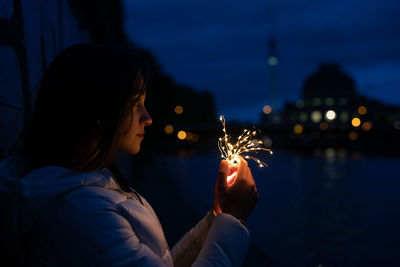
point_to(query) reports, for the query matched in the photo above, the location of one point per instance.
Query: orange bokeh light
(323, 126)
(267, 109)
(362, 110)
(181, 135)
(178, 110)
(366, 126)
(298, 129)
(355, 122)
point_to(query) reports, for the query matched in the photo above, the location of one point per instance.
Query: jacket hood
(23, 199)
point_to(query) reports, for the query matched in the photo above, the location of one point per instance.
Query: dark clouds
(221, 45)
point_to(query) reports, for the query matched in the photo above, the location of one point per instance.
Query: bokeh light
(323, 126)
(316, 116)
(344, 116)
(169, 129)
(181, 135)
(178, 110)
(267, 141)
(362, 110)
(267, 109)
(195, 138)
(300, 103)
(366, 126)
(355, 122)
(353, 135)
(189, 136)
(303, 116)
(273, 61)
(330, 101)
(298, 129)
(330, 115)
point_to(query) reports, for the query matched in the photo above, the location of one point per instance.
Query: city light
(316, 116)
(303, 116)
(362, 110)
(178, 110)
(298, 129)
(189, 136)
(355, 122)
(353, 135)
(267, 109)
(344, 116)
(273, 61)
(366, 126)
(300, 103)
(181, 135)
(195, 138)
(169, 129)
(267, 141)
(323, 126)
(330, 115)
(316, 101)
(330, 101)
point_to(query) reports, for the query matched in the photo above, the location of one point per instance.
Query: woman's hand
(237, 196)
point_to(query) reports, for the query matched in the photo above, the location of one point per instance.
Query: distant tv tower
(273, 61)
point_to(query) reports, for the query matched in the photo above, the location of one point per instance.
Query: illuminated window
(300, 103)
(330, 115)
(329, 101)
(316, 116)
(303, 116)
(355, 122)
(344, 116)
(316, 101)
(342, 101)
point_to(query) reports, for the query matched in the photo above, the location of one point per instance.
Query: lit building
(329, 95)
(331, 113)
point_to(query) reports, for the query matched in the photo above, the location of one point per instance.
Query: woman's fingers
(223, 173)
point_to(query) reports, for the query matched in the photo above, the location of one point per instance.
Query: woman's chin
(131, 150)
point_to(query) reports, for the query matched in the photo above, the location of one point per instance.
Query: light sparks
(244, 144)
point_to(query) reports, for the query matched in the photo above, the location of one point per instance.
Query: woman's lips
(140, 135)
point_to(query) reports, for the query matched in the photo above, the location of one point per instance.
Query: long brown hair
(84, 96)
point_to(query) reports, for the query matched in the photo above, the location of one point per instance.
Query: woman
(67, 205)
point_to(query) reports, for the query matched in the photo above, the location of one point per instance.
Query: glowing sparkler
(244, 144)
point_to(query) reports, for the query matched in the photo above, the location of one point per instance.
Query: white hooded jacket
(58, 217)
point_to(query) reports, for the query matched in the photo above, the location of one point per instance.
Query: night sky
(221, 46)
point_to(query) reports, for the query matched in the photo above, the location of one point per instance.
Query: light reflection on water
(332, 209)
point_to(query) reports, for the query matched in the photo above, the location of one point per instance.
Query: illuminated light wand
(244, 144)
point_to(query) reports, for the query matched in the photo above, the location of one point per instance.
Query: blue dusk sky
(221, 46)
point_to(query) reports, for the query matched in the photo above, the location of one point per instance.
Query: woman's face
(134, 123)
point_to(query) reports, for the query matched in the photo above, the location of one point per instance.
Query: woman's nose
(146, 119)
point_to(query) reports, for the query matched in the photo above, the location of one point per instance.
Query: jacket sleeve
(91, 231)
(187, 249)
(214, 241)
